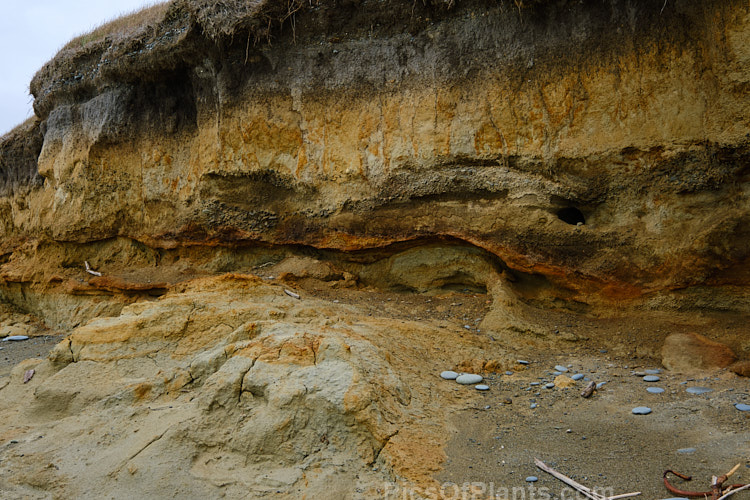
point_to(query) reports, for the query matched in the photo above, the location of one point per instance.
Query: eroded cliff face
(365, 125)
(581, 156)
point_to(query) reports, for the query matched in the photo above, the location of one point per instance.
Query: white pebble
(16, 337)
(469, 379)
(449, 375)
(482, 387)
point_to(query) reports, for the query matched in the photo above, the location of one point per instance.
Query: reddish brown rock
(741, 368)
(685, 352)
(484, 365)
(470, 366)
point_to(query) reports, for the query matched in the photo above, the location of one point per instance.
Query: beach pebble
(561, 368)
(16, 337)
(698, 390)
(532, 479)
(653, 371)
(577, 376)
(655, 390)
(600, 384)
(522, 362)
(686, 450)
(742, 407)
(482, 387)
(641, 410)
(449, 375)
(534, 383)
(509, 373)
(549, 386)
(533, 405)
(651, 378)
(469, 379)
(675, 498)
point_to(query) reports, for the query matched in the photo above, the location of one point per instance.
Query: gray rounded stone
(469, 379)
(482, 387)
(641, 410)
(522, 362)
(686, 450)
(698, 390)
(651, 378)
(549, 386)
(532, 479)
(655, 390)
(577, 376)
(449, 375)
(509, 373)
(16, 337)
(533, 406)
(561, 368)
(653, 371)
(742, 407)
(600, 385)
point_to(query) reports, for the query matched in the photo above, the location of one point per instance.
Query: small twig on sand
(581, 488)
(730, 493)
(292, 294)
(91, 271)
(729, 474)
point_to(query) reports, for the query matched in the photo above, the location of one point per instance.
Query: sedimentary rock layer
(362, 125)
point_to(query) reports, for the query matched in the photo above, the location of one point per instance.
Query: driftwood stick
(730, 493)
(292, 294)
(589, 390)
(624, 495)
(586, 491)
(565, 479)
(734, 469)
(91, 271)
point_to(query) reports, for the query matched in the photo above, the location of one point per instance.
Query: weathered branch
(91, 271)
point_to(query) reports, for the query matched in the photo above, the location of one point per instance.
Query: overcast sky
(31, 33)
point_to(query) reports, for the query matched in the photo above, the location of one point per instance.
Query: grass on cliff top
(121, 26)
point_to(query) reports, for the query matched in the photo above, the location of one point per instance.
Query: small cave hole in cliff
(571, 215)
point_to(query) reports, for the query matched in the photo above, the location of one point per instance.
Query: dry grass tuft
(123, 26)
